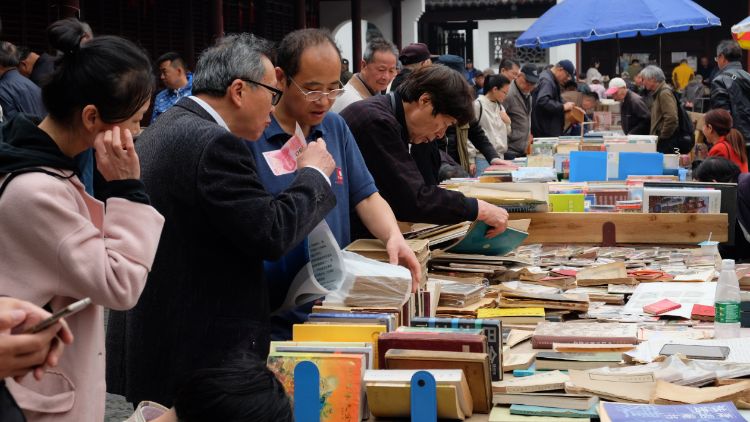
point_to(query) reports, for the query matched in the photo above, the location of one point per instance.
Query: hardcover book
(356, 348)
(342, 395)
(475, 241)
(389, 393)
(475, 366)
(492, 330)
(428, 341)
(548, 333)
(343, 332)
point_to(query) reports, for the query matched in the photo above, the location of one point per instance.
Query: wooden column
(356, 34)
(396, 22)
(300, 15)
(217, 24)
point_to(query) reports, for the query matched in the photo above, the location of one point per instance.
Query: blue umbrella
(592, 20)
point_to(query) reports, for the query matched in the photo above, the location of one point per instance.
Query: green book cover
(475, 243)
(566, 202)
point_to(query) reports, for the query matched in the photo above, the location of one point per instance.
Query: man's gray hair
(654, 73)
(730, 50)
(378, 44)
(231, 57)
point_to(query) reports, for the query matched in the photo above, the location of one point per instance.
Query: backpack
(684, 135)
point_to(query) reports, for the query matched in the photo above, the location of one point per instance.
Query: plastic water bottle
(727, 302)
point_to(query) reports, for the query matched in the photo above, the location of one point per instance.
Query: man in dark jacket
(730, 88)
(548, 109)
(635, 116)
(17, 93)
(206, 296)
(429, 101)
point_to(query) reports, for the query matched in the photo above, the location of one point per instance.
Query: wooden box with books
(475, 367)
(430, 341)
(493, 330)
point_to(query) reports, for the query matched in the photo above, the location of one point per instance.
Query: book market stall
(597, 302)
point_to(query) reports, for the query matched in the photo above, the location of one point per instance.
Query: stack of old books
(375, 249)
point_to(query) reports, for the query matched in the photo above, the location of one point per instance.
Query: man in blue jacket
(548, 109)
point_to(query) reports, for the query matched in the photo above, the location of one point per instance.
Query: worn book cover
(492, 330)
(523, 409)
(475, 241)
(660, 307)
(547, 333)
(342, 396)
(542, 381)
(475, 366)
(581, 402)
(430, 341)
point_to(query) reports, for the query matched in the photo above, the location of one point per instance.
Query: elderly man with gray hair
(206, 295)
(664, 112)
(378, 68)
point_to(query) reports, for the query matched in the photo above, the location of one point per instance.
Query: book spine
(545, 342)
(491, 329)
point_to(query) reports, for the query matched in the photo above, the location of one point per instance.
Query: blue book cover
(475, 243)
(522, 409)
(621, 412)
(588, 166)
(640, 164)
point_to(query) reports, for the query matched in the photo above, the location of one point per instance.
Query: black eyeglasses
(275, 93)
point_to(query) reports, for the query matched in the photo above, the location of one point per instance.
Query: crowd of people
(192, 230)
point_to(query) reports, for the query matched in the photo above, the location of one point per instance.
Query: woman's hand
(115, 155)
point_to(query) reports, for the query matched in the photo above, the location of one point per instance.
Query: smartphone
(71, 309)
(694, 351)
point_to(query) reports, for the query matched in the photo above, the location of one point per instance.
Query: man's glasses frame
(313, 96)
(275, 92)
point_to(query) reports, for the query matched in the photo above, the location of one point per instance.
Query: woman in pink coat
(59, 244)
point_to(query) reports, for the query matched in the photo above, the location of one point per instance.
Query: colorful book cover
(621, 412)
(475, 243)
(341, 390)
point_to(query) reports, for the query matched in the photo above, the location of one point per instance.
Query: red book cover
(658, 308)
(449, 342)
(702, 312)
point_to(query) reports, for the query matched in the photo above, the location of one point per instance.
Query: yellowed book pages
(668, 393)
(516, 337)
(513, 360)
(612, 270)
(637, 388)
(545, 381)
(540, 161)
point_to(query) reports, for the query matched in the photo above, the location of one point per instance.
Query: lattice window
(503, 46)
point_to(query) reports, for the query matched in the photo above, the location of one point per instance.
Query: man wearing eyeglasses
(308, 72)
(378, 70)
(548, 109)
(206, 297)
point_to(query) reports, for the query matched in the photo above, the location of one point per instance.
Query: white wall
(482, 40)
(336, 16)
(411, 11)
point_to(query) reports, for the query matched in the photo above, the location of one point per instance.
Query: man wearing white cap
(636, 117)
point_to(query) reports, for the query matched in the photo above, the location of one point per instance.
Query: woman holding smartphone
(60, 244)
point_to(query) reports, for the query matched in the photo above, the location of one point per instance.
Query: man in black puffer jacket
(730, 89)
